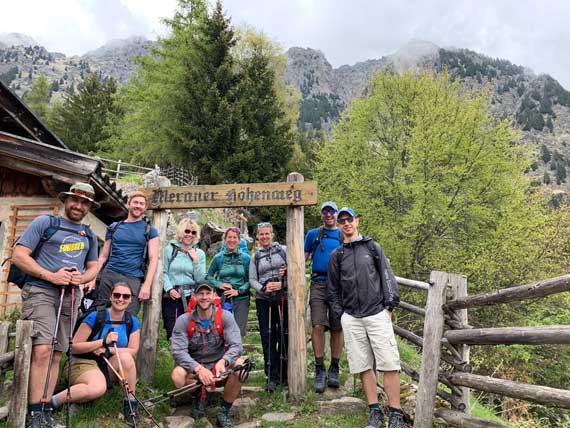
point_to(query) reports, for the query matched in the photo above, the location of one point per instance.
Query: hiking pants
(274, 347)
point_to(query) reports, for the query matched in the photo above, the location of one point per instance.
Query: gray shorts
(40, 306)
(109, 278)
(320, 311)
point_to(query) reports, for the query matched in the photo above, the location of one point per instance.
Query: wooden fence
(447, 337)
(17, 361)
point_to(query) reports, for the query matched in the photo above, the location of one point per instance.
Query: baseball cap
(346, 210)
(81, 190)
(329, 204)
(205, 284)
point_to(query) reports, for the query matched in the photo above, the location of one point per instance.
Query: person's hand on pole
(174, 294)
(220, 368)
(205, 375)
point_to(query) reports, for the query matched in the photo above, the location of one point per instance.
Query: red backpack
(217, 317)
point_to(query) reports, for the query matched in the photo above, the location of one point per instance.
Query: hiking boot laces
(50, 422)
(334, 380)
(223, 419)
(36, 420)
(396, 420)
(375, 419)
(320, 379)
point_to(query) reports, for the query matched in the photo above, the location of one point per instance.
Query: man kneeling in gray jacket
(205, 344)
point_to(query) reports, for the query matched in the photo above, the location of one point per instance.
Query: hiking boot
(333, 375)
(36, 420)
(223, 419)
(375, 419)
(198, 408)
(50, 422)
(396, 420)
(132, 418)
(320, 379)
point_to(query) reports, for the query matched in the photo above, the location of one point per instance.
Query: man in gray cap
(56, 254)
(363, 292)
(319, 243)
(206, 342)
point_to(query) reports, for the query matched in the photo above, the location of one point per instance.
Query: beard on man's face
(75, 212)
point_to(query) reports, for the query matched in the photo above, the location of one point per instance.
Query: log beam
(553, 335)
(461, 420)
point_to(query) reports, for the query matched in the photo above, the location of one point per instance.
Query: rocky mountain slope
(537, 104)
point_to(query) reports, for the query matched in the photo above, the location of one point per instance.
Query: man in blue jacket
(319, 244)
(362, 290)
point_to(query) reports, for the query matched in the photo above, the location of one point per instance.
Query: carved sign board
(232, 195)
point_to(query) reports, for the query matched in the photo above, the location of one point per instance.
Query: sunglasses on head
(345, 220)
(190, 232)
(326, 211)
(264, 224)
(233, 229)
(126, 296)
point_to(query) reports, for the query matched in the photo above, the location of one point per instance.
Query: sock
(226, 406)
(54, 402)
(375, 406)
(394, 410)
(320, 362)
(35, 407)
(335, 362)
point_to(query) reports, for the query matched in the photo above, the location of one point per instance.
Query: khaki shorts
(40, 306)
(369, 340)
(80, 366)
(320, 311)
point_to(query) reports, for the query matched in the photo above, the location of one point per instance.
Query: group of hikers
(86, 304)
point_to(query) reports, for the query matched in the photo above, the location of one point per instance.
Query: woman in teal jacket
(184, 266)
(229, 272)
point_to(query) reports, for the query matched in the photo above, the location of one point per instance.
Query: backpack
(321, 234)
(113, 228)
(241, 253)
(257, 257)
(219, 325)
(17, 276)
(101, 321)
(371, 250)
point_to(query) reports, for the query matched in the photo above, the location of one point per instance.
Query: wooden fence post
(297, 361)
(22, 360)
(4, 341)
(146, 358)
(458, 290)
(433, 331)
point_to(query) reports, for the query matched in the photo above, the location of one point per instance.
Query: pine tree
(38, 97)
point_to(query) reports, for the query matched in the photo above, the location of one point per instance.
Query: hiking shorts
(320, 311)
(40, 306)
(370, 342)
(80, 366)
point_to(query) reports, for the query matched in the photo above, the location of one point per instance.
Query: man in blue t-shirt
(123, 254)
(68, 258)
(319, 243)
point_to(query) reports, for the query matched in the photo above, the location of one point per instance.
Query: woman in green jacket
(229, 272)
(184, 267)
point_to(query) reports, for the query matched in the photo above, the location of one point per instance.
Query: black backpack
(322, 234)
(371, 250)
(17, 276)
(100, 321)
(257, 257)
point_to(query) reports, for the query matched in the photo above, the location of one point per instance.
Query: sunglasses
(124, 296)
(326, 211)
(345, 220)
(190, 232)
(233, 229)
(264, 224)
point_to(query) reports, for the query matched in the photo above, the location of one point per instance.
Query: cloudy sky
(526, 32)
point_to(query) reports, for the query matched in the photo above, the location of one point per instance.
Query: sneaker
(320, 379)
(396, 420)
(333, 375)
(132, 418)
(50, 422)
(223, 419)
(375, 419)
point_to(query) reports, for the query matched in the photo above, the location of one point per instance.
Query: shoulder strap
(374, 253)
(175, 251)
(317, 240)
(113, 228)
(220, 260)
(129, 323)
(147, 238)
(218, 321)
(98, 324)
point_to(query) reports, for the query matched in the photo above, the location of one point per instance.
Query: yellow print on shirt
(73, 246)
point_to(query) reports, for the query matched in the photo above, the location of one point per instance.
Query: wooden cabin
(35, 166)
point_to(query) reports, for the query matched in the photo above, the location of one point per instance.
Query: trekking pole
(269, 340)
(282, 346)
(69, 343)
(44, 399)
(145, 408)
(125, 383)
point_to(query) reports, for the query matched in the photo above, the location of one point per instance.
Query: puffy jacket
(361, 285)
(269, 260)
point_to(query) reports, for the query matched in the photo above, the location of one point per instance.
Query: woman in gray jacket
(267, 275)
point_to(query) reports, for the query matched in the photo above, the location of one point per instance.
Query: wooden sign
(232, 195)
